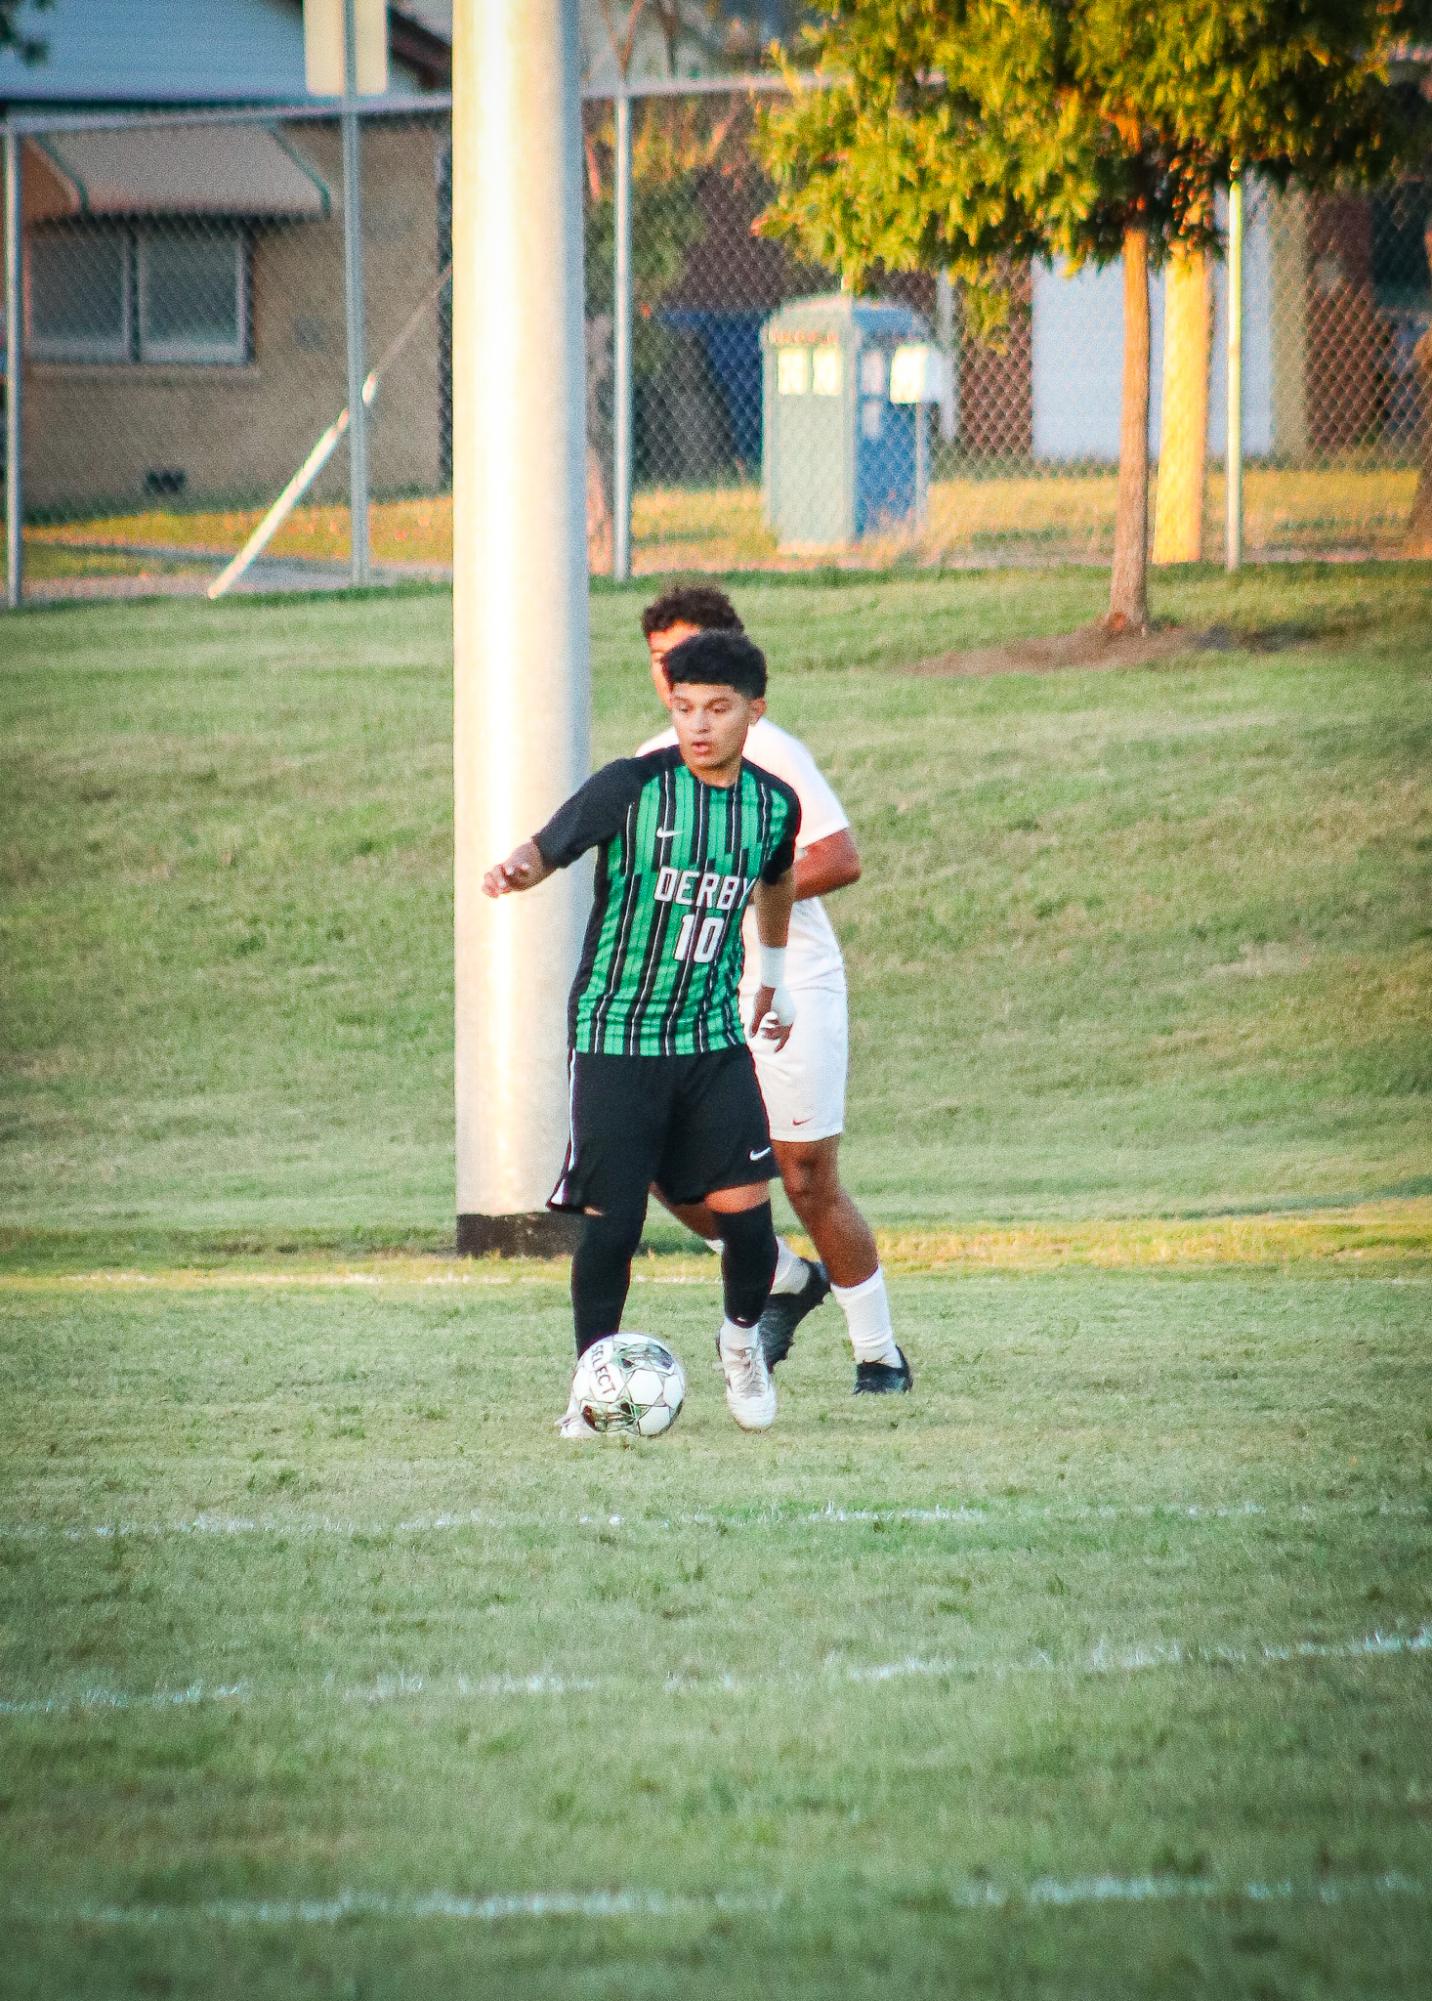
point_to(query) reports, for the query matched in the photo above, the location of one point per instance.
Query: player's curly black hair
(720, 660)
(701, 605)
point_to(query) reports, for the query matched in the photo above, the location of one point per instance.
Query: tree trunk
(1183, 441)
(599, 444)
(1129, 584)
(600, 526)
(1418, 540)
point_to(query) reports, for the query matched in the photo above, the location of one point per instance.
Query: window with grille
(155, 292)
(81, 306)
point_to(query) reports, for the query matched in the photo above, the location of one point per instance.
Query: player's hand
(773, 1016)
(521, 870)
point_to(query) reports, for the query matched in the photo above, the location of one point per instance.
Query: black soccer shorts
(689, 1124)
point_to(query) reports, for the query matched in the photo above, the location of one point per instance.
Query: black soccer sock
(601, 1274)
(748, 1262)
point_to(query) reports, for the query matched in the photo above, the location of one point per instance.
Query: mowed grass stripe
(713, 1785)
(1369, 1236)
(1083, 1414)
(619, 1610)
(1045, 1893)
(403, 1685)
(955, 1515)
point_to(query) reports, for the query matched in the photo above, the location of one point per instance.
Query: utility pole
(521, 689)
(1233, 453)
(621, 344)
(353, 303)
(14, 373)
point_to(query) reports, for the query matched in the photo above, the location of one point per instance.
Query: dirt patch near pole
(1092, 646)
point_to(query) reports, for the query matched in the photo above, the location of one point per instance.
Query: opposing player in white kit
(803, 1084)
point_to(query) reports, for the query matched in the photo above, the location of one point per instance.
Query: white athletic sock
(733, 1336)
(791, 1274)
(867, 1318)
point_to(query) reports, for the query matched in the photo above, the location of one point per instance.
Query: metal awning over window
(233, 170)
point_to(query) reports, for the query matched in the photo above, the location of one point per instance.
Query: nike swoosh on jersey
(762, 1154)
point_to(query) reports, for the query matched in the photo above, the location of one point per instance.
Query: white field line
(447, 1521)
(1107, 1659)
(404, 1685)
(223, 1281)
(428, 1904)
(1043, 1894)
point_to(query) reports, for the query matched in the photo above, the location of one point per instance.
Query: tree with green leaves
(15, 28)
(972, 136)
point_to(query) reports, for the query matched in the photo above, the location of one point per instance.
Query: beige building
(184, 298)
(183, 281)
(184, 295)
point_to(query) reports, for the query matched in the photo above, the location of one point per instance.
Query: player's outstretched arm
(826, 865)
(523, 869)
(774, 1012)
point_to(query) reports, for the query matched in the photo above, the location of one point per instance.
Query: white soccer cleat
(750, 1393)
(572, 1424)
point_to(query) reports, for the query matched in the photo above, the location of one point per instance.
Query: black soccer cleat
(784, 1312)
(882, 1379)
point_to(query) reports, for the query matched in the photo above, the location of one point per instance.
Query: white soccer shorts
(804, 1083)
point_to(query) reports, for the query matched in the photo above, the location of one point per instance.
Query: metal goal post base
(538, 1234)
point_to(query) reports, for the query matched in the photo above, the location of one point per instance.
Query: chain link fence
(184, 357)
(743, 450)
(185, 344)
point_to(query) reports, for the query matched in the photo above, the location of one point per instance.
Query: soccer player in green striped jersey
(663, 1088)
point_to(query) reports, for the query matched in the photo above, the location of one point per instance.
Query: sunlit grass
(1050, 513)
(1377, 1237)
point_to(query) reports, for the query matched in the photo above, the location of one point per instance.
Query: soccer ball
(629, 1383)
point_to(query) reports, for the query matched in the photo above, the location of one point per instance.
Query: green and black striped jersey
(677, 861)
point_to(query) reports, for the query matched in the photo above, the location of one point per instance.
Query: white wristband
(773, 965)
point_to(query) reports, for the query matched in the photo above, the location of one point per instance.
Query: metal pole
(521, 689)
(945, 341)
(353, 294)
(922, 464)
(621, 347)
(424, 104)
(1233, 455)
(14, 375)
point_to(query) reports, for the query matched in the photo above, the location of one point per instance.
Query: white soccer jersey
(813, 955)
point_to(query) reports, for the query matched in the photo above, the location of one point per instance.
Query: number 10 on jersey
(699, 946)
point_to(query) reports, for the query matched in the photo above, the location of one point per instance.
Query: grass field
(1010, 512)
(1146, 942)
(1098, 1667)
